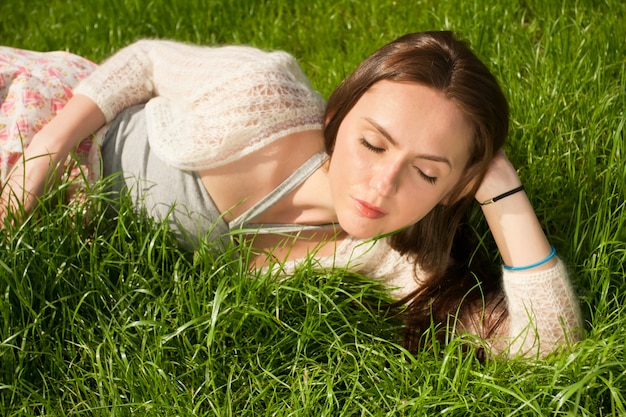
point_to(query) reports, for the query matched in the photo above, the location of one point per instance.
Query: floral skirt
(34, 86)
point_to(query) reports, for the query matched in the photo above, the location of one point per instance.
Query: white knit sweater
(213, 105)
(209, 106)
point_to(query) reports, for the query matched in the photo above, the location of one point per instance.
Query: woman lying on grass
(233, 141)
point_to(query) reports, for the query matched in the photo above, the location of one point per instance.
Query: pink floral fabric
(34, 86)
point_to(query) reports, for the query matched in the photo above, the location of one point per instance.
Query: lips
(367, 210)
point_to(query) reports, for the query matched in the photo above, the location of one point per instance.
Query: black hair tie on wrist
(501, 196)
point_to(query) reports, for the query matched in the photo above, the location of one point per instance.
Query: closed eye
(371, 147)
(428, 179)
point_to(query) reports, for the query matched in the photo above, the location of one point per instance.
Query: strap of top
(241, 223)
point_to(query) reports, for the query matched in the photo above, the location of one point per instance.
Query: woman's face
(399, 152)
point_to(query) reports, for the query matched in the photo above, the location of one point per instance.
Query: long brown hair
(441, 61)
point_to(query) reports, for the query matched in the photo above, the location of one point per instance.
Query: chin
(363, 235)
(358, 231)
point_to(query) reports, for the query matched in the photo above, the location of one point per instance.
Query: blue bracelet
(541, 262)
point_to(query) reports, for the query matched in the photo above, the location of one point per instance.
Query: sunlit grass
(103, 315)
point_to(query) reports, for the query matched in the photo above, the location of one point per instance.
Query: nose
(386, 180)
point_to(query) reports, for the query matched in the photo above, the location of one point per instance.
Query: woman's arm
(43, 159)
(133, 75)
(542, 308)
(512, 220)
(149, 68)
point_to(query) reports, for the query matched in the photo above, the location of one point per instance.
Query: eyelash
(369, 146)
(430, 180)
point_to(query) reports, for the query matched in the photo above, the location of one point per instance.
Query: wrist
(500, 178)
(491, 189)
(535, 265)
(517, 232)
(512, 205)
(502, 196)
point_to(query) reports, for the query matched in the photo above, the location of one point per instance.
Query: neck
(310, 203)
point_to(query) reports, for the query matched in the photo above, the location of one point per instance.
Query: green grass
(104, 316)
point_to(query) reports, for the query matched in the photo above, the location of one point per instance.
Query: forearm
(543, 310)
(512, 220)
(517, 232)
(77, 120)
(44, 157)
(542, 306)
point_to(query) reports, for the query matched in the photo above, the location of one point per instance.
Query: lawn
(105, 316)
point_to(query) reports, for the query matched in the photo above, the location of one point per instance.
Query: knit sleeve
(542, 313)
(206, 105)
(125, 79)
(540, 309)
(150, 68)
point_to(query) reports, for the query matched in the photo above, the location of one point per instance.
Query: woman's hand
(500, 178)
(43, 160)
(27, 179)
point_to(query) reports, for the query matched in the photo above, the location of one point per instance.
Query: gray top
(165, 192)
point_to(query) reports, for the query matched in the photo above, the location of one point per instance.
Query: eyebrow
(391, 140)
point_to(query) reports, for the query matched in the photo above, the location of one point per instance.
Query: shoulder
(261, 66)
(243, 100)
(239, 55)
(222, 58)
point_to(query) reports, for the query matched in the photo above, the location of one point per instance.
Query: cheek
(342, 162)
(418, 201)
(416, 205)
(335, 174)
